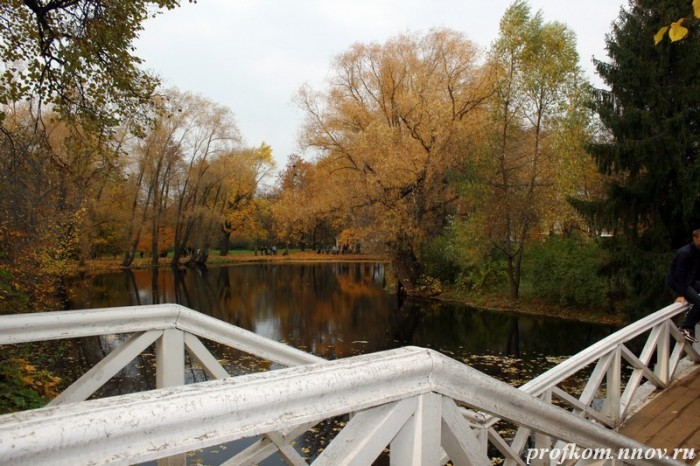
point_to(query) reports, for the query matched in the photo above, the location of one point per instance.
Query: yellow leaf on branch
(677, 31)
(658, 37)
(696, 8)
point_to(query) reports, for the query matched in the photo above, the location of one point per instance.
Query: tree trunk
(224, 243)
(129, 257)
(199, 257)
(406, 265)
(514, 269)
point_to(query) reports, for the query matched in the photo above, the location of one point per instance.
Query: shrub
(565, 270)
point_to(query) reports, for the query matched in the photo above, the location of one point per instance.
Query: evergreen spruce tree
(649, 149)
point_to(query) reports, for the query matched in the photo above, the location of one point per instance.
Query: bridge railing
(615, 379)
(172, 328)
(425, 407)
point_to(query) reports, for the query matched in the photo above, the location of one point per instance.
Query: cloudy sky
(253, 55)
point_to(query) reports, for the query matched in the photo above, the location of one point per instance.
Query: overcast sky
(253, 55)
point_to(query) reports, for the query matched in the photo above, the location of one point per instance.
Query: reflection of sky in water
(327, 308)
(268, 328)
(335, 310)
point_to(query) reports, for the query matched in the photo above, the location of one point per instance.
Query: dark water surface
(338, 310)
(335, 310)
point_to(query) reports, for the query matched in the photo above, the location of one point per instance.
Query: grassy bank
(496, 301)
(533, 306)
(232, 258)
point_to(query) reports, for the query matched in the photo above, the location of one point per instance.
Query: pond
(336, 310)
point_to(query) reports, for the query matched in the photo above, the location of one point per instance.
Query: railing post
(418, 442)
(170, 359)
(170, 372)
(663, 353)
(613, 386)
(543, 442)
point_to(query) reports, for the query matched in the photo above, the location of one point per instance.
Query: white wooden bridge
(418, 405)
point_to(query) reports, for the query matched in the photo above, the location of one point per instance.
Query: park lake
(331, 309)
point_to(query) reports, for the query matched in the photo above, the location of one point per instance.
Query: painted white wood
(542, 440)
(286, 451)
(42, 326)
(594, 352)
(511, 455)
(459, 441)
(639, 373)
(264, 447)
(170, 372)
(204, 358)
(522, 437)
(595, 381)
(580, 408)
(170, 421)
(367, 434)
(170, 359)
(475, 389)
(641, 367)
(613, 387)
(418, 442)
(663, 369)
(107, 368)
(221, 332)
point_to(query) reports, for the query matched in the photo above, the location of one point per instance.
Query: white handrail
(581, 360)
(41, 326)
(149, 425)
(421, 382)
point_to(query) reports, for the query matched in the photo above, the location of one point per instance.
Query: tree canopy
(392, 128)
(76, 56)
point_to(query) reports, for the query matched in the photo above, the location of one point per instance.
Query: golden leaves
(676, 30)
(658, 37)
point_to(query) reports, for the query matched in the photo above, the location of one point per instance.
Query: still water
(337, 310)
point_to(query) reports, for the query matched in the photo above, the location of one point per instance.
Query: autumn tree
(535, 67)
(207, 131)
(69, 82)
(391, 128)
(306, 209)
(149, 175)
(76, 57)
(242, 173)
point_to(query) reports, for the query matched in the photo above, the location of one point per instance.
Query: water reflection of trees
(331, 309)
(336, 310)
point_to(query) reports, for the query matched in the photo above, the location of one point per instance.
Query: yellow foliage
(677, 31)
(41, 381)
(658, 37)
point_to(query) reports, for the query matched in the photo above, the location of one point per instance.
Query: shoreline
(492, 302)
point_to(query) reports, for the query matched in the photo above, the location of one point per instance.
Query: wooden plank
(672, 419)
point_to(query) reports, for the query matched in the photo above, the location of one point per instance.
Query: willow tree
(390, 129)
(241, 174)
(536, 71)
(307, 206)
(207, 131)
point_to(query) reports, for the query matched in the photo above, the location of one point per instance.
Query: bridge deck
(672, 419)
